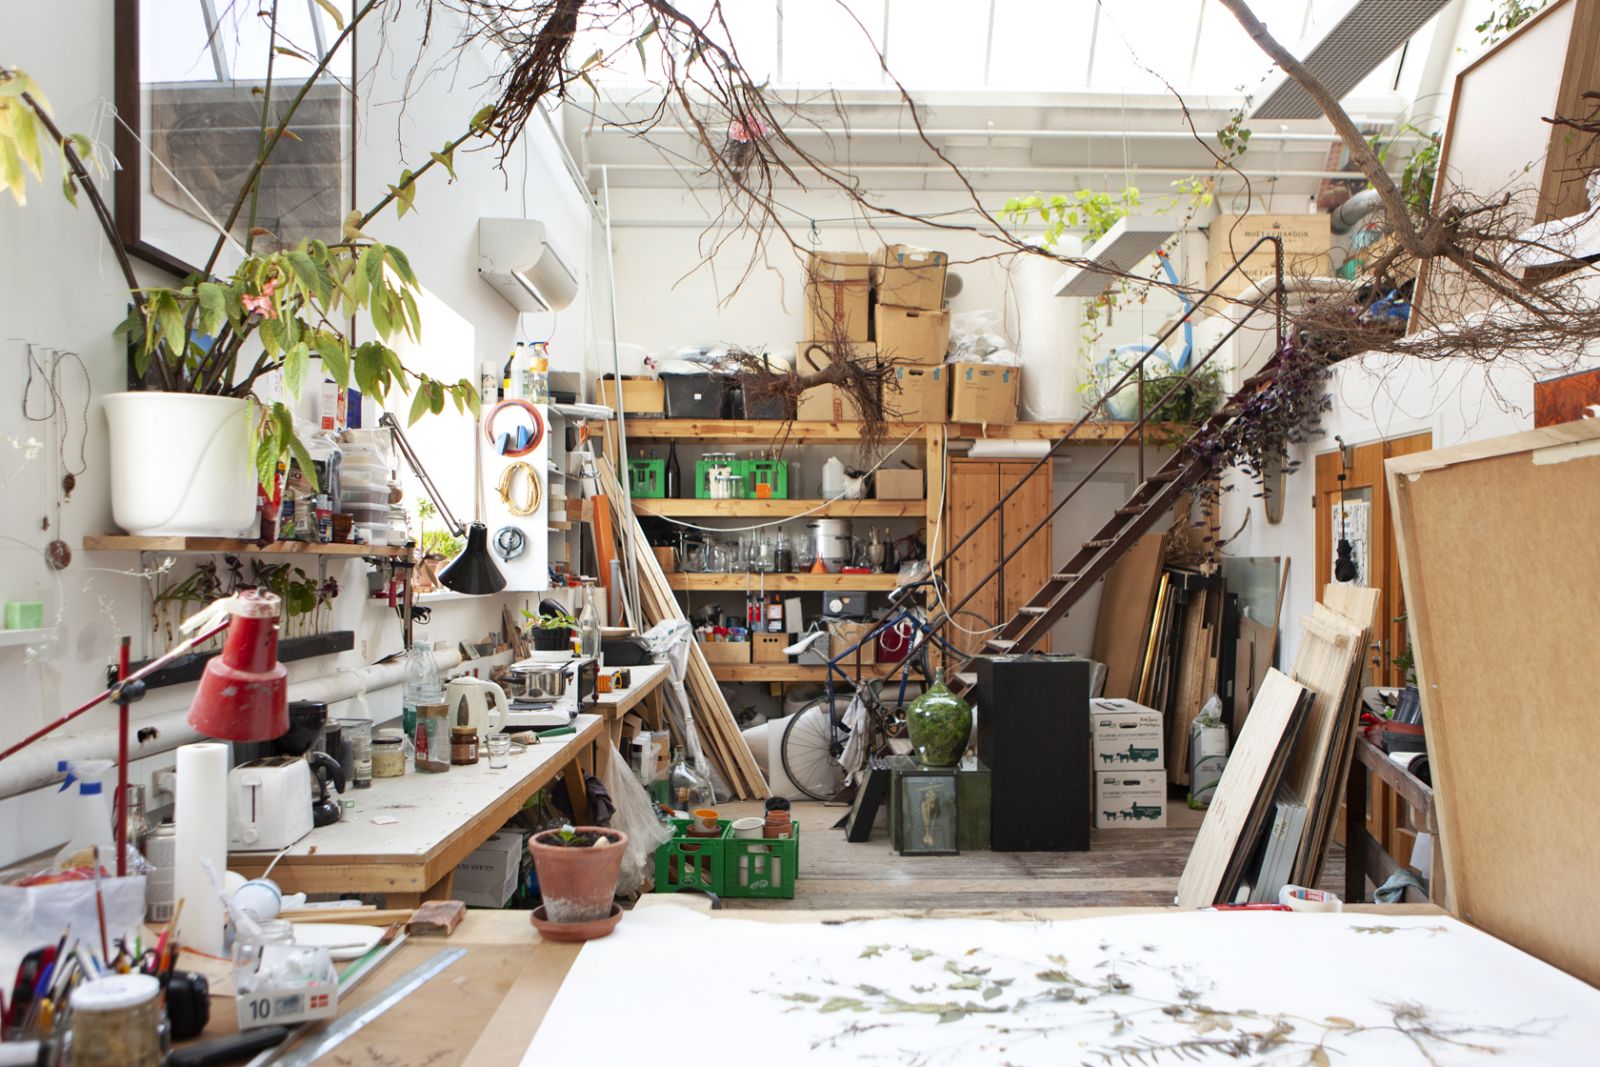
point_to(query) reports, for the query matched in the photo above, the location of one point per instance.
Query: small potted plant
(552, 631)
(577, 869)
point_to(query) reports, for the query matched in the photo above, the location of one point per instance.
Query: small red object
(244, 693)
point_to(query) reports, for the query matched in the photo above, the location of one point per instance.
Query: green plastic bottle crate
(691, 862)
(766, 867)
(702, 477)
(647, 479)
(773, 472)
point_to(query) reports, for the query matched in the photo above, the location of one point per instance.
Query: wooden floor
(1125, 868)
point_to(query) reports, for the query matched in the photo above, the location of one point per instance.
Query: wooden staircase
(1155, 496)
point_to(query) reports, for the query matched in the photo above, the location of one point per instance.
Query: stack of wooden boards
(1293, 751)
(718, 731)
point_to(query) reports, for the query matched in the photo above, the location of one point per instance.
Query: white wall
(59, 288)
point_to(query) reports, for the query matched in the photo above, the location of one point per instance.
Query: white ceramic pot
(180, 465)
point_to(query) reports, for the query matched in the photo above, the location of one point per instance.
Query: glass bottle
(538, 377)
(674, 472)
(687, 788)
(589, 622)
(940, 725)
(138, 823)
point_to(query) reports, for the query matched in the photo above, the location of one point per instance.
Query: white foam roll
(201, 816)
(1299, 898)
(1047, 331)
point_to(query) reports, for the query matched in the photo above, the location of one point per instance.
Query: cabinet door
(1029, 569)
(970, 493)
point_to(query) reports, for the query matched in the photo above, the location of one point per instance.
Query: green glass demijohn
(940, 724)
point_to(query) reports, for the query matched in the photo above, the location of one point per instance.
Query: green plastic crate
(702, 479)
(691, 862)
(647, 479)
(773, 472)
(761, 868)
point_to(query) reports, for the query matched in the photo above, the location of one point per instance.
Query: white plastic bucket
(180, 465)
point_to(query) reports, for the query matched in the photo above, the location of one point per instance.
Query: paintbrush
(100, 907)
(166, 936)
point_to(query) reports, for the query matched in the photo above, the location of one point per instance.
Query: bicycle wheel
(810, 752)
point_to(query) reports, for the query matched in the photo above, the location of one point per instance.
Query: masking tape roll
(1299, 898)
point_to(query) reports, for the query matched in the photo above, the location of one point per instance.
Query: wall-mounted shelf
(128, 543)
(779, 509)
(9, 638)
(778, 583)
(782, 672)
(189, 668)
(762, 431)
(1091, 433)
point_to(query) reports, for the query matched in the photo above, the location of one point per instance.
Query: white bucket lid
(115, 992)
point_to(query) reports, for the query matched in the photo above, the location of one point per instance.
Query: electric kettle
(478, 703)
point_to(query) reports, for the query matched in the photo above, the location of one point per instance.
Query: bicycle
(816, 749)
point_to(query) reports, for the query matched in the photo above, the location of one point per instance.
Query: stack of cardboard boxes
(890, 306)
(1130, 775)
(1306, 241)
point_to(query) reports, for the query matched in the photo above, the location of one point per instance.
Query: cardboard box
(911, 335)
(768, 648)
(1208, 755)
(826, 403)
(644, 398)
(1256, 268)
(726, 651)
(908, 277)
(1231, 235)
(898, 483)
(1125, 735)
(836, 292)
(1134, 799)
(844, 634)
(918, 393)
(488, 876)
(983, 392)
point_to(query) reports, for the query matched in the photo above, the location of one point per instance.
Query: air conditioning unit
(516, 259)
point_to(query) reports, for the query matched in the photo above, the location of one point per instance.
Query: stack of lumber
(1301, 733)
(718, 731)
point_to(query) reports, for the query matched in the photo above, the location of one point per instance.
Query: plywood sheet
(1245, 791)
(1501, 562)
(1122, 629)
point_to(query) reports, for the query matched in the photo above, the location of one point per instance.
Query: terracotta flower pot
(578, 884)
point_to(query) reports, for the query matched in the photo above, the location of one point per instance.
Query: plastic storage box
(694, 396)
(647, 478)
(691, 862)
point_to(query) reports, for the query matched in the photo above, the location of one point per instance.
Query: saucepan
(537, 683)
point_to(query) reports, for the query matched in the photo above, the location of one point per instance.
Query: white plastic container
(180, 465)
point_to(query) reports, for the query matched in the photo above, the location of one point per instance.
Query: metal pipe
(1033, 135)
(35, 767)
(629, 563)
(971, 169)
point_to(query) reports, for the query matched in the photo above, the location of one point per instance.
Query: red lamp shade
(244, 693)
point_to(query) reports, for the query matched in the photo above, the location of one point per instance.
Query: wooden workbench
(440, 819)
(646, 691)
(485, 1009)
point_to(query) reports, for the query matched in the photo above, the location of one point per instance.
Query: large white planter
(180, 465)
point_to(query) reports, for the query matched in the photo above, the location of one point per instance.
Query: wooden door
(1025, 573)
(969, 493)
(1364, 486)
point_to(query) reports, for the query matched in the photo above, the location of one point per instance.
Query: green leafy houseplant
(551, 632)
(219, 336)
(435, 544)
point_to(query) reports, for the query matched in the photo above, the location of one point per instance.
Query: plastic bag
(978, 337)
(33, 916)
(635, 816)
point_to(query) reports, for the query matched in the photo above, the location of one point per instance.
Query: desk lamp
(474, 571)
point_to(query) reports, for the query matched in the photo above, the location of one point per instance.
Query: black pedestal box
(1033, 733)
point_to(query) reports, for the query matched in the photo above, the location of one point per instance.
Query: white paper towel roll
(201, 815)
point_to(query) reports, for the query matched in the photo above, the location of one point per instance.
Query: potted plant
(434, 547)
(552, 631)
(190, 441)
(578, 869)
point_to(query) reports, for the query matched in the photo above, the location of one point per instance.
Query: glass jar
(432, 738)
(499, 746)
(358, 741)
(463, 746)
(116, 1022)
(389, 754)
(687, 787)
(940, 725)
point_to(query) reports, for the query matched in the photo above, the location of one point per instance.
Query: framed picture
(191, 78)
(927, 810)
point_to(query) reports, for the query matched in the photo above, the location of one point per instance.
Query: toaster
(269, 803)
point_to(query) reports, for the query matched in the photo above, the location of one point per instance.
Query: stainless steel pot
(832, 539)
(538, 683)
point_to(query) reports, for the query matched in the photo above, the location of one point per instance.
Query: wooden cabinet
(973, 488)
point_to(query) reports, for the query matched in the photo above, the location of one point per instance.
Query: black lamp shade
(474, 571)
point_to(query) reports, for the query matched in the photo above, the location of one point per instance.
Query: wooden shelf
(1092, 433)
(778, 583)
(127, 543)
(777, 509)
(764, 431)
(779, 672)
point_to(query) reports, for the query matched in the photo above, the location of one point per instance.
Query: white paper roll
(1299, 898)
(201, 816)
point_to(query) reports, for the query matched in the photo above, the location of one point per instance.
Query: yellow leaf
(333, 12)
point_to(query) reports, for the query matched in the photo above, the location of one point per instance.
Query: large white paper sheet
(1164, 988)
